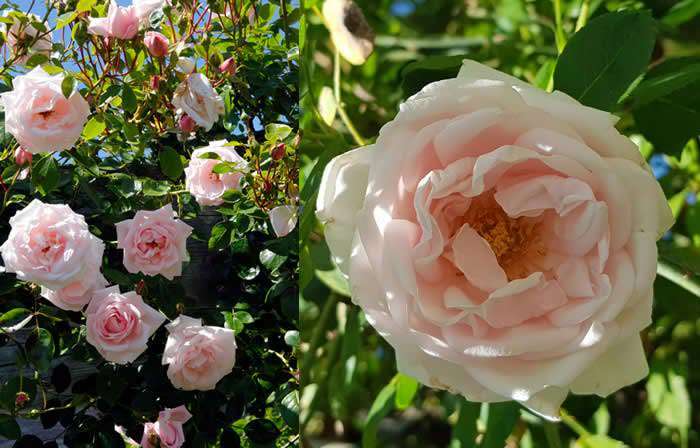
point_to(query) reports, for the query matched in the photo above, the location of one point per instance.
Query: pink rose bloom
(198, 356)
(39, 116)
(121, 22)
(197, 98)
(119, 324)
(167, 430)
(154, 242)
(156, 43)
(502, 239)
(206, 186)
(76, 295)
(23, 157)
(283, 219)
(144, 8)
(18, 34)
(51, 245)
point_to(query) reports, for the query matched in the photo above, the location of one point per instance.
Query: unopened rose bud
(22, 157)
(267, 186)
(156, 43)
(21, 399)
(186, 124)
(228, 66)
(279, 152)
(155, 82)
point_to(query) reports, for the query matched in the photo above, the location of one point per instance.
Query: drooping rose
(156, 43)
(121, 22)
(206, 186)
(51, 245)
(502, 239)
(22, 39)
(119, 324)
(350, 32)
(198, 356)
(283, 219)
(39, 116)
(144, 8)
(76, 295)
(154, 242)
(197, 98)
(167, 430)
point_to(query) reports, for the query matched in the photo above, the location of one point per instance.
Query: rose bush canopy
(149, 207)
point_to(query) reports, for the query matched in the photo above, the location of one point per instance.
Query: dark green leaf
(502, 418)
(261, 430)
(9, 427)
(170, 163)
(383, 404)
(464, 431)
(128, 99)
(602, 59)
(40, 348)
(67, 85)
(45, 174)
(417, 75)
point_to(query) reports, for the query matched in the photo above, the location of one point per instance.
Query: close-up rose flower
(198, 356)
(76, 295)
(122, 22)
(197, 98)
(502, 239)
(154, 242)
(24, 40)
(39, 116)
(167, 431)
(51, 245)
(203, 183)
(156, 43)
(119, 324)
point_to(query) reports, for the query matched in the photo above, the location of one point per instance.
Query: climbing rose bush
(502, 239)
(145, 293)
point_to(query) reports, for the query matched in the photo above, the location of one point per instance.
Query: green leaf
(65, 19)
(152, 187)
(218, 237)
(327, 106)
(261, 431)
(67, 85)
(502, 418)
(289, 409)
(129, 102)
(9, 428)
(13, 316)
(276, 131)
(382, 406)
(417, 75)
(335, 281)
(45, 174)
(406, 389)
(598, 441)
(85, 5)
(170, 163)
(464, 431)
(682, 12)
(244, 317)
(94, 127)
(603, 58)
(668, 396)
(40, 348)
(667, 104)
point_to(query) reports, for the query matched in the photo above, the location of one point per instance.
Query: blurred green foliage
(351, 390)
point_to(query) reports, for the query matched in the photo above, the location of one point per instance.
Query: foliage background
(351, 392)
(129, 159)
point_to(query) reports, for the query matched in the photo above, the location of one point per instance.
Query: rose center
(512, 240)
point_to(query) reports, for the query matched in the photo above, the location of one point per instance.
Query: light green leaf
(406, 389)
(327, 106)
(335, 281)
(94, 127)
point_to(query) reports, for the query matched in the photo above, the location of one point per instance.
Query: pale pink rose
(156, 43)
(198, 356)
(144, 8)
(283, 219)
(228, 66)
(502, 239)
(39, 116)
(167, 430)
(197, 98)
(23, 157)
(121, 22)
(17, 37)
(76, 295)
(206, 186)
(51, 245)
(154, 242)
(119, 324)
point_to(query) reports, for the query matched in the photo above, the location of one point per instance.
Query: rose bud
(279, 152)
(156, 43)
(22, 157)
(21, 398)
(186, 124)
(155, 82)
(228, 66)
